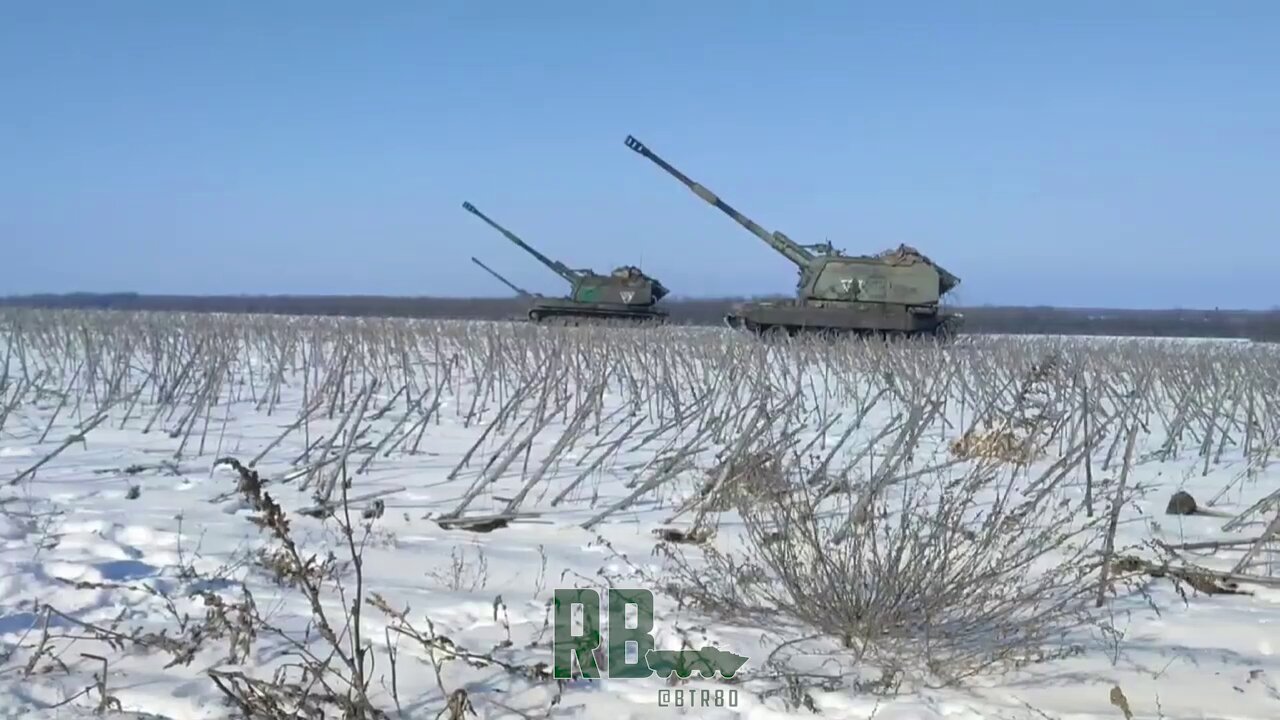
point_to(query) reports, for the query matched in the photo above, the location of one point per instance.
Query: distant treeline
(1250, 324)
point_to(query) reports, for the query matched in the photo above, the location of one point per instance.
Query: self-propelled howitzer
(625, 294)
(896, 292)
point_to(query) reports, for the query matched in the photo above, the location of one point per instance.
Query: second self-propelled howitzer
(625, 294)
(525, 296)
(896, 292)
(519, 291)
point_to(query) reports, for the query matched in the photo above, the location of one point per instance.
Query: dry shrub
(750, 480)
(996, 445)
(1014, 429)
(946, 576)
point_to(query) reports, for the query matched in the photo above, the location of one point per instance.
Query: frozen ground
(128, 526)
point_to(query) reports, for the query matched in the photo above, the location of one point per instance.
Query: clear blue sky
(1070, 153)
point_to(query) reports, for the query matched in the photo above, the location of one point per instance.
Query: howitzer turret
(896, 292)
(514, 288)
(625, 294)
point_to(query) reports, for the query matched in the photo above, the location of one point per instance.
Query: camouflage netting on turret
(635, 276)
(902, 255)
(907, 255)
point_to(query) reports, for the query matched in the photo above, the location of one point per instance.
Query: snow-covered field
(976, 531)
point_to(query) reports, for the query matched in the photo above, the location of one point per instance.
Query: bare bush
(950, 575)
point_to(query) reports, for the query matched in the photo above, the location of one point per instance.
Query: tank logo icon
(582, 648)
(706, 662)
(627, 295)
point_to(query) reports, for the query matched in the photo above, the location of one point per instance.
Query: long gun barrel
(559, 268)
(783, 244)
(518, 291)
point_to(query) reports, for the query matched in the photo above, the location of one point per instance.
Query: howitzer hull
(858, 319)
(559, 312)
